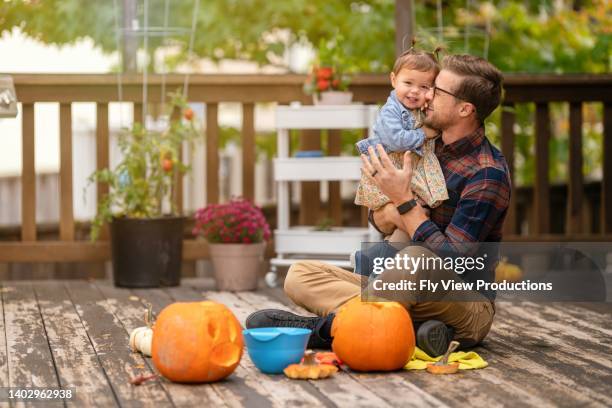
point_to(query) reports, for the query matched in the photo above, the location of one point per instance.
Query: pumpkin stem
(148, 314)
(309, 358)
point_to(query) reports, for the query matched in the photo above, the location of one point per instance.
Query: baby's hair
(418, 60)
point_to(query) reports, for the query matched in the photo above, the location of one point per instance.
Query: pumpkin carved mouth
(225, 355)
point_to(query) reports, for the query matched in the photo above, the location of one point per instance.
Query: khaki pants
(321, 289)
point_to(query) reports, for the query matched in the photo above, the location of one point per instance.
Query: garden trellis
(441, 35)
(146, 32)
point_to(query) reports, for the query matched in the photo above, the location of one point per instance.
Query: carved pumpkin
(373, 336)
(196, 342)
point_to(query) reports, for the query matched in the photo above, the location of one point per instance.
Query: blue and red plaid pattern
(478, 183)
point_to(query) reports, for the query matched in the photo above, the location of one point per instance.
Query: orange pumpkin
(507, 271)
(373, 336)
(196, 342)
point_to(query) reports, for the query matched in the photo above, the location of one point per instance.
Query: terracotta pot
(333, 98)
(237, 266)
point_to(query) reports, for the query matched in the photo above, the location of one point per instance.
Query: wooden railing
(575, 90)
(252, 89)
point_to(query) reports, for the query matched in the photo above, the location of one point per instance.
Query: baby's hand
(430, 133)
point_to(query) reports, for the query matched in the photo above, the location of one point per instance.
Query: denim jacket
(394, 129)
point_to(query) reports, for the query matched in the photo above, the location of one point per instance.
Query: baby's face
(411, 86)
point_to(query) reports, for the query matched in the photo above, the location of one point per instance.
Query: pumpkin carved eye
(213, 330)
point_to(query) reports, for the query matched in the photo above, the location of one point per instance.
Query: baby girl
(398, 129)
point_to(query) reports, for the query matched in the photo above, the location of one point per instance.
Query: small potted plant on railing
(146, 229)
(236, 233)
(328, 82)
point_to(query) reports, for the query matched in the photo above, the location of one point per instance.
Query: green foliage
(535, 37)
(524, 36)
(143, 180)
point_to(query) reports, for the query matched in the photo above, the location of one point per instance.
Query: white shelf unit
(303, 242)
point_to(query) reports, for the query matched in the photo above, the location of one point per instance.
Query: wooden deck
(75, 334)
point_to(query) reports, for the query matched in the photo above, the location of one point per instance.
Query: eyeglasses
(436, 88)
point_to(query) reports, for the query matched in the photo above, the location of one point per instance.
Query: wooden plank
(404, 25)
(4, 368)
(77, 251)
(310, 201)
(575, 185)
(334, 147)
(546, 93)
(212, 153)
(248, 151)
(30, 363)
(541, 189)
(519, 88)
(137, 117)
(177, 187)
(507, 145)
(66, 205)
(522, 342)
(596, 312)
(111, 343)
(54, 251)
(591, 335)
(272, 390)
(75, 359)
(606, 186)
(198, 80)
(102, 154)
(130, 311)
(28, 174)
(364, 210)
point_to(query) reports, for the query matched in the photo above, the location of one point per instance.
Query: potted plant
(236, 233)
(146, 231)
(328, 82)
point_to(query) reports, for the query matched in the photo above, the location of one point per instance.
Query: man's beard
(434, 121)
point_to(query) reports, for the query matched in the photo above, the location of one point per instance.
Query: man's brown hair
(481, 84)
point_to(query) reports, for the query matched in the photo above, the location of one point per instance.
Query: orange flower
(324, 73)
(188, 113)
(167, 165)
(322, 84)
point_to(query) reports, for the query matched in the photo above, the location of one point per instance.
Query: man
(465, 93)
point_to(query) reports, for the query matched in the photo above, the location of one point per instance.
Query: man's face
(443, 109)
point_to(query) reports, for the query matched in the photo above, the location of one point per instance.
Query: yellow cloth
(467, 360)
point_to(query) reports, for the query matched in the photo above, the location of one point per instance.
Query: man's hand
(394, 183)
(387, 218)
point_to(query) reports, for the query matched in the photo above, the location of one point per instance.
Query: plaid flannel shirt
(478, 182)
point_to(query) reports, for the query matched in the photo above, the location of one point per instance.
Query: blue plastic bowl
(274, 348)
